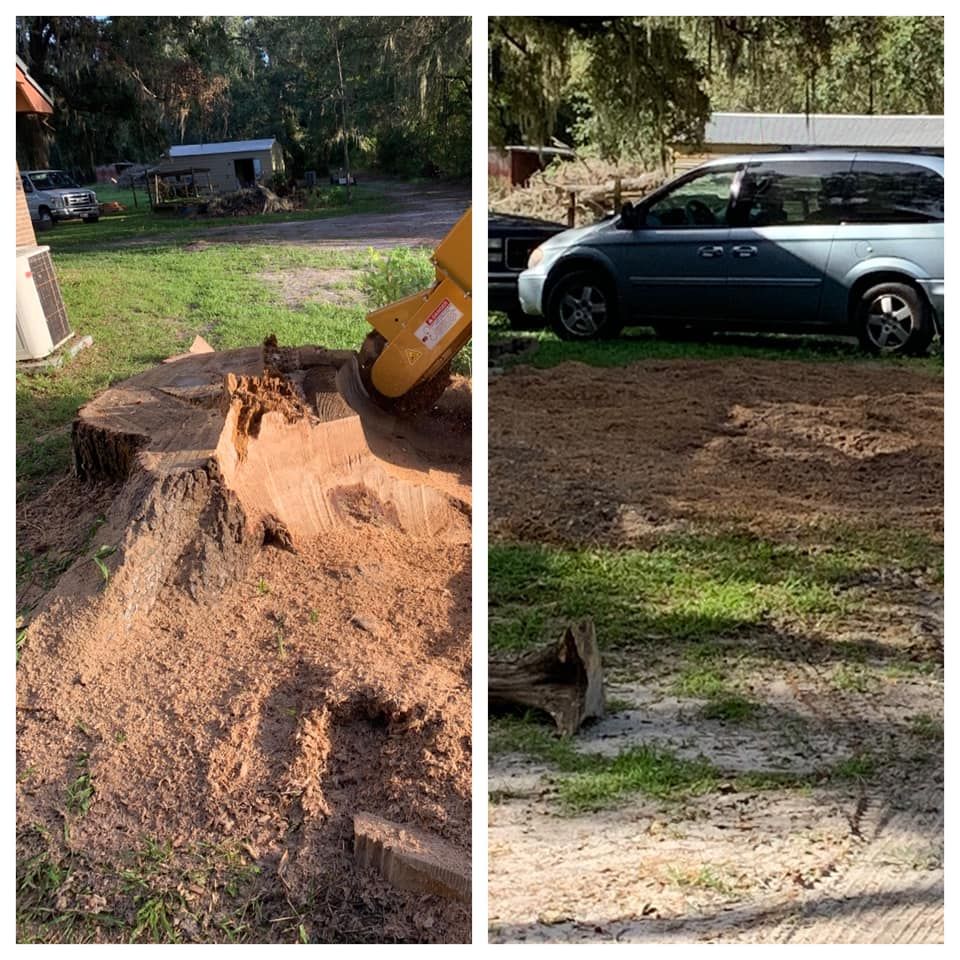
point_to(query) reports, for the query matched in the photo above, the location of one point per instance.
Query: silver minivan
(822, 241)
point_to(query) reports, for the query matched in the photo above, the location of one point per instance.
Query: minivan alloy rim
(889, 322)
(583, 313)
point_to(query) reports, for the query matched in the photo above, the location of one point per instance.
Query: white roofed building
(766, 132)
(231, 165)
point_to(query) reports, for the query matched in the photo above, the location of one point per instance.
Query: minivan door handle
(744, 250)
(709, 252)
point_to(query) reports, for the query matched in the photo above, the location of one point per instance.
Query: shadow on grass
(684, 587)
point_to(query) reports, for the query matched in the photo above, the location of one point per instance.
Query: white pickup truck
(52, 195)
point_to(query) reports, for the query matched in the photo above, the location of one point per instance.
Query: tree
(634, 85)
(387, 90)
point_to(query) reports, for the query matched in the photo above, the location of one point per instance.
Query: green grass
(640, 343)
(587, 782)
(141, 223)
(861, 766)
(926, 726)
(730, 708)
(700, 682)
(684, 586)
(156, 893)
(852, 677)
(591, 781)
(652, 771)
(143, 305)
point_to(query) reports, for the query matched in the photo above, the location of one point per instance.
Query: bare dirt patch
(302, 285)
(849, 709)
(277, 640)
(613, 455)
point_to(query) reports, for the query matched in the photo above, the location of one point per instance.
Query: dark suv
(826, 241)
(510, 240)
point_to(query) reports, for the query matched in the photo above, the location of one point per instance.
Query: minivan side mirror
(631, 217)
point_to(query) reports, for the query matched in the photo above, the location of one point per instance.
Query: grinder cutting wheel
(404, 364)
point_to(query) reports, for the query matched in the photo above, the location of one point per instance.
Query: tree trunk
(343, 110)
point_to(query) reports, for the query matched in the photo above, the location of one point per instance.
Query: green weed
(706, 878)
(861, 766)
(154, 918)
(731, 708)
(851, 677)
(80, 791)
(396, 274)
(926, 726)
(102, 553)
(700, 682)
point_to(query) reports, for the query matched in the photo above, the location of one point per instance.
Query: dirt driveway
(824, 823)
(423, 216)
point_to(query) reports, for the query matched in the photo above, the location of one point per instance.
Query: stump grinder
(403, 365)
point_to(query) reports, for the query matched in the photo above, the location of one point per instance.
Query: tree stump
(222, 453)
(564, 679)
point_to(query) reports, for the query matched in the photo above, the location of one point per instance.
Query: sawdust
(261, 660)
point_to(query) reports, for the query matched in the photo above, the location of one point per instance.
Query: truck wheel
(45, 221)
(894, 318)
(583, 306)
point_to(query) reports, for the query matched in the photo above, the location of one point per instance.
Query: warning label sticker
(413, 355)
(436, 326)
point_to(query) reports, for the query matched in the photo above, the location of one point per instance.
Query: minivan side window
(701, 202)
(891, 192)
(789, 192)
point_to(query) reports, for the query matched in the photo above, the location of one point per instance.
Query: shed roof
(826, 130)
(546, 151)
(231, 146)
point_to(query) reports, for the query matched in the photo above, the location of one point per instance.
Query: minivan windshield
(51, 179)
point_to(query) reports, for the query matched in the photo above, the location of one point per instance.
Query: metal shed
(232, 165)
(744, 132)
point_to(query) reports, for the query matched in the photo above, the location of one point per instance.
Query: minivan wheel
(894, 318)
(582, 306)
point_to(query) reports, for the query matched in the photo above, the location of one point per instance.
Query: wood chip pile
(589, 186)
(245, 202)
